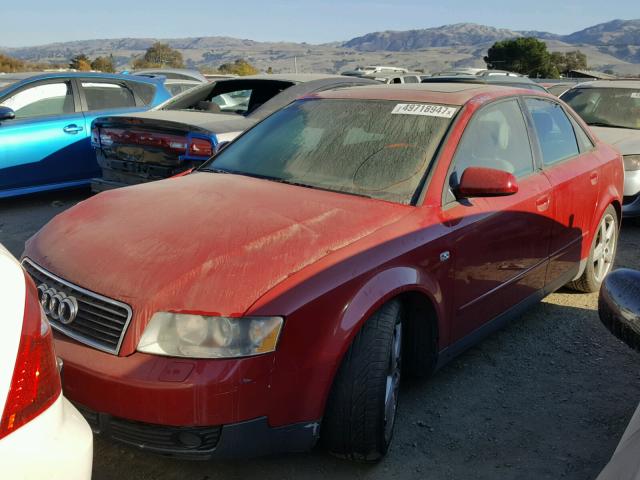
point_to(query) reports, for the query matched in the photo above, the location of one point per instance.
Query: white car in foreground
(42, 436)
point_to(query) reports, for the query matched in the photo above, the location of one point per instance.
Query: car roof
(393, 74)
(446, 93)
(192, 74)
(492, 79)
(287, 77)
(46, 75)
(632, 83)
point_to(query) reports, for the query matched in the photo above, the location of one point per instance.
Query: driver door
(500, 245)
(48, 130)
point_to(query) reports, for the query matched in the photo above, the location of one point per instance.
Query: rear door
(39, 146)
(573, 168)
(500, 245)
(101, 97)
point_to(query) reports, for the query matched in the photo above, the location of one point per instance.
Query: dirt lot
(547, 397)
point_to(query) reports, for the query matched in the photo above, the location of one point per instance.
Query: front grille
(101, 322)
(183, 442)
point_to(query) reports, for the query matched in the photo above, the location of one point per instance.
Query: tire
(600, 259)
(361, 408)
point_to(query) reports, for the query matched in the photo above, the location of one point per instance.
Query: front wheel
(361, 410)
(601, 255)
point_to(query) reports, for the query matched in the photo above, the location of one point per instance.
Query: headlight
(631, 162)
(198, 336)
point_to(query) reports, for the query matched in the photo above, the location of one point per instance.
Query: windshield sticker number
(635, 94)
(424, 109)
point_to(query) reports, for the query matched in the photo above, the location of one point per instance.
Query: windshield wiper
(602, 124)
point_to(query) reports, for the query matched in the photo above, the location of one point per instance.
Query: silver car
(612, 109)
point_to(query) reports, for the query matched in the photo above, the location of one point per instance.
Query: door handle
(594, 178)
(73, 128)
(542, 203)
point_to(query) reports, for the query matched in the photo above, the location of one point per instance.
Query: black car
(188, 129)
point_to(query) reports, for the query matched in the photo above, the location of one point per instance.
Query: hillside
(612, 45)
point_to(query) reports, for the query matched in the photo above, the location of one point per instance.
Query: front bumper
(247, 439)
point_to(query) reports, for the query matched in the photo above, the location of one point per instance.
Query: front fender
(381, 288)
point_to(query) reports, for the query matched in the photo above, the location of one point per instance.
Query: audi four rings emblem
(58, 305)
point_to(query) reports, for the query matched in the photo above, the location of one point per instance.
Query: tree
(9, 64)
(525, 55)
(239, 67)
(103, 64)
(269, 70)
(80, 62)
(160, 55)
(565, 62)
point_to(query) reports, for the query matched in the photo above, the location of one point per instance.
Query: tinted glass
(554, 130)
(584, 142)
(42, 100)
(351, 146)
(145, 91)
(496, 138)
(607, 107)
(106, 96)
(411, 79)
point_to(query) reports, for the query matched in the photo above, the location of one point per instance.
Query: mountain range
(613, 45)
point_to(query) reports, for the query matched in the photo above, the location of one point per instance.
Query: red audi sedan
(275, 296)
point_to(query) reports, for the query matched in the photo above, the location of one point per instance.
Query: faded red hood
(205, 242)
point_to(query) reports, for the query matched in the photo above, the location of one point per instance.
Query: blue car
(45, 124)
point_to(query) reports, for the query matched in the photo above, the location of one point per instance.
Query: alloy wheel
(604, 247)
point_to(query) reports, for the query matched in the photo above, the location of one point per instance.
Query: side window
(411, 79)
(554, 130)
(107, 96)
(584, 142)
(396, 80)
(42, 100)
(145, 91)
(496, 138)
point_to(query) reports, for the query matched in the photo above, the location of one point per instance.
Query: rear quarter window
(145, 91)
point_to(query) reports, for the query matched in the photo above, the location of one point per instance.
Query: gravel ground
(547, 397)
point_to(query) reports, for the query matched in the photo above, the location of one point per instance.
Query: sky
(36, 22)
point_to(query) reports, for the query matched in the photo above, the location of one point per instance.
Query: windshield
(379, 149)
(606, 107)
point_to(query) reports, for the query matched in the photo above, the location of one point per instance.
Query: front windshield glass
(606, 107)
(378, 149)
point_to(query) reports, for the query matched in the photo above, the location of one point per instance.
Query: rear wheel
(601, 255)
(360, 415)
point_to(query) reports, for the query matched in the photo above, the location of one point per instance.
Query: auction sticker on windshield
(424, 109)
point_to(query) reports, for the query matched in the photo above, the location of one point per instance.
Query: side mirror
(619, 305)
(6, 114)
(486, 182)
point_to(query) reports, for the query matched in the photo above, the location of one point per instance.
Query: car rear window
(379, 149)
